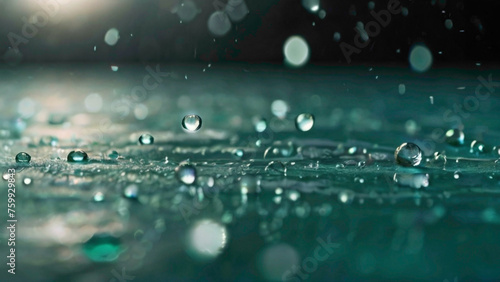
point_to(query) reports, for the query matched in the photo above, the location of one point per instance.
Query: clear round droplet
(477, 147)
(408, 154)
(113, 155)
(146, 139)
(186, 173)
(304, 122)
(191, 123)
(23, 157)
(296, 51)
(455, 137)
(77, 156)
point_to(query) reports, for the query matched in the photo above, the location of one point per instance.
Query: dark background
(159, 36)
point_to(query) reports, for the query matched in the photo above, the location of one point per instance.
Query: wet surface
(252, 192)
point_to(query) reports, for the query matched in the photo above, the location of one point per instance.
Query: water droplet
(238, 153)
(296, 51)
(102, 248)
(477, 147)
(113, 155)
(276, 167)
(186, 173)
(416, 181)
(49, 141)
(111, 37)
(311, 5)
(23, 157)
(293, 195)
(249, 185)
(260, 124)
(131, 191)
(280, 150)
(187, 10)
(191, 123)
(337, 36)
(401, 89)
(146, 139)
(420, 58)
(408, 154)
(77, 156)
(455, 137)
(98, 197)
(279, 108)
(346, 196)
(304, 122)
(27, 181)
(218, 23)
(236, 10)
(448, 24)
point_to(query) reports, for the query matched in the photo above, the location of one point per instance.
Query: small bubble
(23, 157)
(408, 154)
(186, 173)
(77, 156)
(146, 139)
(191, 123)
(304, 122)
(455, 137)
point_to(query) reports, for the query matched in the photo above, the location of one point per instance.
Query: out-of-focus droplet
(276, 167)
(93, 103)
(311, 6)
(98, 197)
(191, 123)
(279, 108)
(420, 58)
(304, 122)
(455, 137)
(113, 155)
(102, 248)
(131, 191)
(27, 181)
(219, 24)
(23, 157)
(77, 156)
(207, 239)
(249, 184)
(280, 149)
(346, 196)
(448, 24)
(48, 141)
(186, 173)
(417, 181)
(146, 139)
(237, 10)
(114, 67)
(401, 89)
(337, 36)
(187, 10)
(238, 153)
(112, 36)
(408, 154)
(260, 124)
(296, 51)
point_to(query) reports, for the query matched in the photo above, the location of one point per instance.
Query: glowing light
(207, 239)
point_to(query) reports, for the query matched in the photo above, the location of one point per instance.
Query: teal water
(263, 205)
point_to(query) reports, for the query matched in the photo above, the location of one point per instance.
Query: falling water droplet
(23, 157)
(455, 137)
(191, 123)
(146, 139)
(77, 156)
(186, 173)
(304, 122)
(408, 154)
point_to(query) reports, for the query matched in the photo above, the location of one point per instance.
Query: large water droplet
(77, 156)
(304, 122)
(102, 248)
(191, 123)
(23, 157)
(296, 51)
(146, 139)
(455, 137)
(420, 58)
(408, 154)
(186, 173)
(218, 23)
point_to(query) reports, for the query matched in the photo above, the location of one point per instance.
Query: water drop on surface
(408, 154)
(113, 155)
(146, 139)
(276, 167)
(23, 157)
(455, 137)
(77, 156)
(191, 123)
(304, 122)
(102, 248)
(477, 147)
(186, 173)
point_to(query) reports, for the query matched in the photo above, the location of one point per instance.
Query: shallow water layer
(250, 195)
